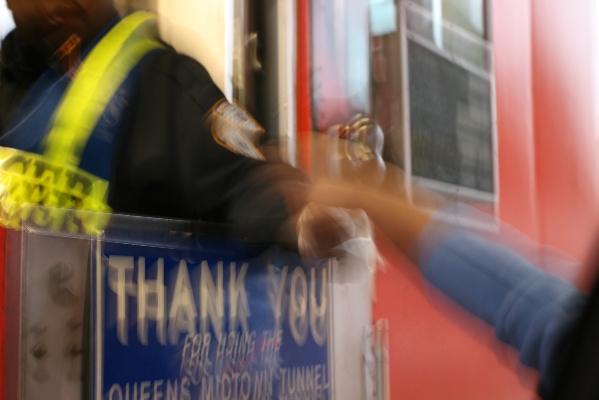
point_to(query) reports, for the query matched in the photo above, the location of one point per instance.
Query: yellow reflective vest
(50, 190)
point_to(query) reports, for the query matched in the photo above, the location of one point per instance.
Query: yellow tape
(27, 178)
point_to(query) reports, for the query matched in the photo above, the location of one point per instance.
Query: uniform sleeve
(168, 163)
(529, 309)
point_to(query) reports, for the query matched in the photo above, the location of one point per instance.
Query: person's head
(54, 21)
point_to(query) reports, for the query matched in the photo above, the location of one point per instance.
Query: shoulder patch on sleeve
(236, 130)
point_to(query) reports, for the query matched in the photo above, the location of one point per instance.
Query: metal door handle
(252, 44)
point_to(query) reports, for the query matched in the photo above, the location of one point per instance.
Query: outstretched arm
(529, 309)
(397, 218)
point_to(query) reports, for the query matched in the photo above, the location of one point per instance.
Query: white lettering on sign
(271, 344)
(318, 309)
(298, 304)
(228, 386)
(183, 313)
(195, 361)
(305, 302)
(263, 384)
(212, 300)
(120, 280)
(276, 291)
(238, 299)
(147, 310)
(309, 382)
(150, 390)
(235, 348)
(307, 310)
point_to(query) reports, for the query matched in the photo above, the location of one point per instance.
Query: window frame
(448, 190)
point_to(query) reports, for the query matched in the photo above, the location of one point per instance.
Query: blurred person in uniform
(154, 125)
(553, 325)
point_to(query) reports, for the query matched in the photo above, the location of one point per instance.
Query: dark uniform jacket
(166, 162)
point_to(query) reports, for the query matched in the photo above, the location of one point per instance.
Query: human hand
(319, 232)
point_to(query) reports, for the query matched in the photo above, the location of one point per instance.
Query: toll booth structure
(172, 309)
(543, 84)
(521, 109)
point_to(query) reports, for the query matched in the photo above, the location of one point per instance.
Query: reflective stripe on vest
(101, 74)
(65, 191)
(54, 179)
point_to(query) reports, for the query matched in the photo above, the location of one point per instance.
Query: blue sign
(195, 317)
